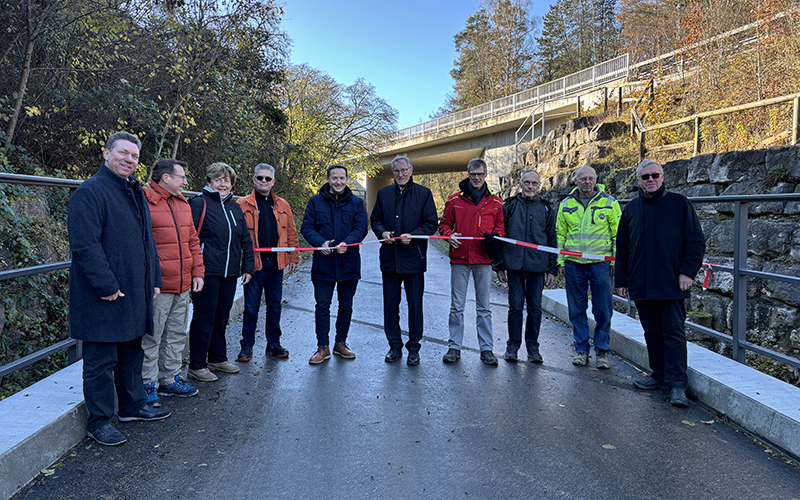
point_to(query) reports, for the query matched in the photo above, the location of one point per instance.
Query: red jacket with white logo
(463, 216)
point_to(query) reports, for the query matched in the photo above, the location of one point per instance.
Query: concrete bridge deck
(365, 429)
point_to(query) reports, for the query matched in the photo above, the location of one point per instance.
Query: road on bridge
(366, 429)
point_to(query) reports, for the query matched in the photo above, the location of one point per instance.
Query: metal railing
(597, 75)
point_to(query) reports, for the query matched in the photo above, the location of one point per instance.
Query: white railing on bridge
(608, 71)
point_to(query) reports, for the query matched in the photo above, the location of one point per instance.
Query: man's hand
(197, 284)
(292, 267)
(341, 248)
(386, 235)
(501, 275)
(326, 245)
(246, 278)
(685, 282)
(622, 292)
(561, 271)
(454, 241)
(488, 237)
(405, 240)
(549, 280)
(156, 292)
(113, 297)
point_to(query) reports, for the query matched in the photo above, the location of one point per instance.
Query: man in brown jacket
(182, 272)
(271, 224)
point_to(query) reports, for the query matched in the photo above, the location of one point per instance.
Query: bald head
(586, 179)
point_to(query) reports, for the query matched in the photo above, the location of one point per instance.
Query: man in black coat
(660, 248)
(114, 277)
(403, 209)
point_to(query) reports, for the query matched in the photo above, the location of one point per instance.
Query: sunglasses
(647, 176)
(262, 178)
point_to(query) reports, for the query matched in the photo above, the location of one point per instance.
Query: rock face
(773, 232)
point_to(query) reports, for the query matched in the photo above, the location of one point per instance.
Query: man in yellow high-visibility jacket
(587, 222)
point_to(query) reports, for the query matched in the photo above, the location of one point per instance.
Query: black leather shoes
(413, 358)
(394, 355)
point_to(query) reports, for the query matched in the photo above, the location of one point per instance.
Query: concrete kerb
(40, 424)
(753, 400)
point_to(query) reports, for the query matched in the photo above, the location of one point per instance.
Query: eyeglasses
(263, 178)
(477, 174)
(403, 171)
(655, 175)
(178, 175)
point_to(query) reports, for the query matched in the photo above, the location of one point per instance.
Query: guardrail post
(578, 102)
(605, 100)
(619, 102)
(697, 136)
(739, 281)
(796, 121)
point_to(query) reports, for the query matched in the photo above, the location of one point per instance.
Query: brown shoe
(321, 355)
(342, 350)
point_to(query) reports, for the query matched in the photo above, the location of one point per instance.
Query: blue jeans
(269, 280)
(580, 278)
(323, 293)
(524, 287)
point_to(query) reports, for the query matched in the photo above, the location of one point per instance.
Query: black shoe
(650, 384)
(277, 351)
(146, 414)
(245, 355)
(677, 397)
(511, 354)
(413, 358)
(488, 358)
(534, 356)
(451, 356)
(394, 355)
(107, 435)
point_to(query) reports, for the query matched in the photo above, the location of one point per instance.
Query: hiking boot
(534, 356)
(323, 353)
(677, 397)
(451, 356)
(203, 375)
(277, 351)
(602, 361)
(650, 384)
(107, 435)
(224, 367)
(146, 414)
(151, 397)
(488, 358)
(511, 354)
(580, 359)
(178, 388)
(341, 349)
(245, 355)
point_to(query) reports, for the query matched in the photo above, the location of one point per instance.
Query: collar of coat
(129, 183)
(650, 199)
(325, 191)
(599, 188)
(465, 192)
(154, 193)
(214, 195)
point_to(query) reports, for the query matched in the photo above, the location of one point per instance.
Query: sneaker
(277, 351)
(151, 397)
(413, 358)
(177, 388)
(488, 358)
(203, 375)
(323, 353)
(511, 354)
(341, 349)
(245, 355)
(650, 384)
(107, 435)
(580, 359)
(224, 367)
(451, 356)
(602, 361)
(534, 356)
(146, 414)
(677, 397)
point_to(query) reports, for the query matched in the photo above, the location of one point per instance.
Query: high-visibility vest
(589, 230)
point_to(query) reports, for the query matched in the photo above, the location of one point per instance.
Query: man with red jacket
(182, 271)
(473, 211)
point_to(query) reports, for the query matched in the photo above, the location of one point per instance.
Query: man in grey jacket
(531, 219)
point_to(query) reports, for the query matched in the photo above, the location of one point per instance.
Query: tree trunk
(23, 84)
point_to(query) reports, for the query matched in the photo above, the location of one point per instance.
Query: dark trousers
(524, 287)
(415, 289)
(664, 333)
(211, 308)
(269, 281)
(323, 294)
(110, 365)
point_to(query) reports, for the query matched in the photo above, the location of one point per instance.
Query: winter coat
(176, 239)
(343, 221)
(287, 232)
(224, 238)
(532, 221)
(659, 238)
(112, 249)
(463, 216)
(588, 230)
(411, 211)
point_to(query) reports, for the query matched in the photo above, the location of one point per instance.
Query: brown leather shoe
(321, 355)
(342, 350)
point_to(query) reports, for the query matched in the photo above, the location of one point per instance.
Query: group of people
(140, 253)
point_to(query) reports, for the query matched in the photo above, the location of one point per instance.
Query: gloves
(489, 237)
(489, 244)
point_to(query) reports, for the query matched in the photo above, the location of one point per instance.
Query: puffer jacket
(461, 215)
(287, 233)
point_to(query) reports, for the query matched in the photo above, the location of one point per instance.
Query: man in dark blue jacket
(528, 218)
(402, 209)
(114, 277)
(660, 248)
(333, 219)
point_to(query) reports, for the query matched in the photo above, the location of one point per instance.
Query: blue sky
(404, 48)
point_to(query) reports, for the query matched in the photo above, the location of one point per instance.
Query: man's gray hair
(122, 136)
(645, 163)
(264, 166)
(578, 171)
(476, 163)
(530, 170)
(400, 158)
